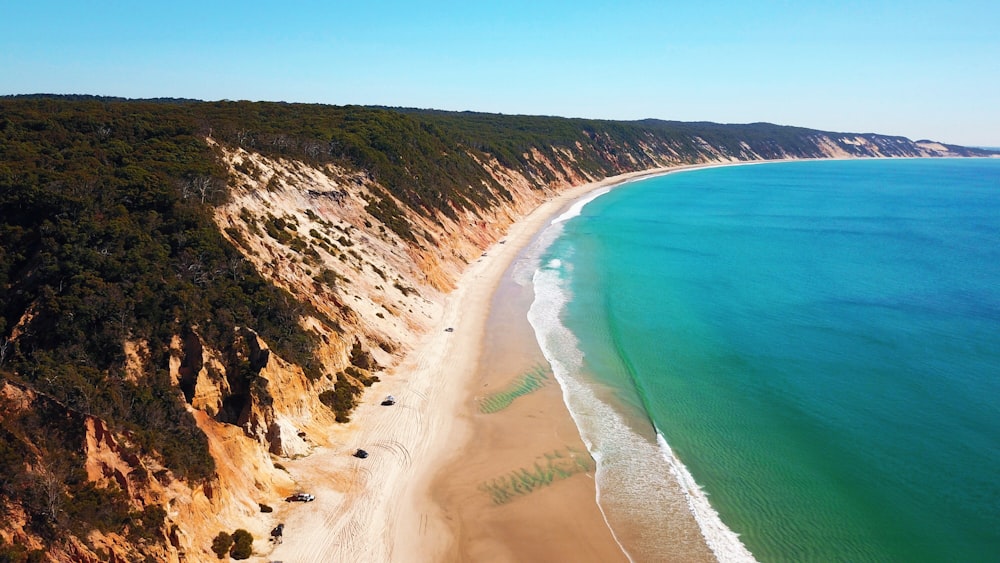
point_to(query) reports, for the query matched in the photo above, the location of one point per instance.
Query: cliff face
(302, 271)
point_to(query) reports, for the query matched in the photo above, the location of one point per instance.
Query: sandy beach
(439, 484)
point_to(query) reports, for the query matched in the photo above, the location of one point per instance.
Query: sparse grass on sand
(560, 464)
(527, 382)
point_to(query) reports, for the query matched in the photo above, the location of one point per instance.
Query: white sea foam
(523, 269)
(577, 207)
(632, 472)
(724, 542)
(560, 349)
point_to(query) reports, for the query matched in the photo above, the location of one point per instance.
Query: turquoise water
(817, 342)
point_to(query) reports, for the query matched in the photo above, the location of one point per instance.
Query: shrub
(362, 358)
(327, 277)
(19, 554)
(341, 399)
(275, 227)
(242, 544)
(221, 544)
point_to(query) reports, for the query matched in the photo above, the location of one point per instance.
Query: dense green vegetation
(14, 553)
(106, 236)
(60, 498)
(242, 545)
(221, 544)
(424, 157)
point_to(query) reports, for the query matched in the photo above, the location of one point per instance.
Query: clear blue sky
(915, 68)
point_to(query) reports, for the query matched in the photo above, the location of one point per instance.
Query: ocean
(804, 355)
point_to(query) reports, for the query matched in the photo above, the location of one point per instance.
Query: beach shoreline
(561, 521)
(398, 505)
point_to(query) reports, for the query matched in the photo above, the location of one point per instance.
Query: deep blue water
(817, 342)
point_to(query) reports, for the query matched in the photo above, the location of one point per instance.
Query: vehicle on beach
(300, 497)
(277, 534)
(388, 401)
(361, 454)
(449, 329)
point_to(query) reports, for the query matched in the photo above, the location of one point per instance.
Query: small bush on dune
(221, 544)
(242, 544)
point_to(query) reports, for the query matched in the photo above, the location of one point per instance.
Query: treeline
(427, 159)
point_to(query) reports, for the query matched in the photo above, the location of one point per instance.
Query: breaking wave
(638, 481)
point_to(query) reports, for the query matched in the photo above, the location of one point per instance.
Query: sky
(914, 68)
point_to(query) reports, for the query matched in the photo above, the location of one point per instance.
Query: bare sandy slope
(383, 508)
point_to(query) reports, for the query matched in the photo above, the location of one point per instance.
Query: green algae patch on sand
(548, 468)
(525, 383)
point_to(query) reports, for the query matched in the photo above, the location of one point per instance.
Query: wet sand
(522, 488)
